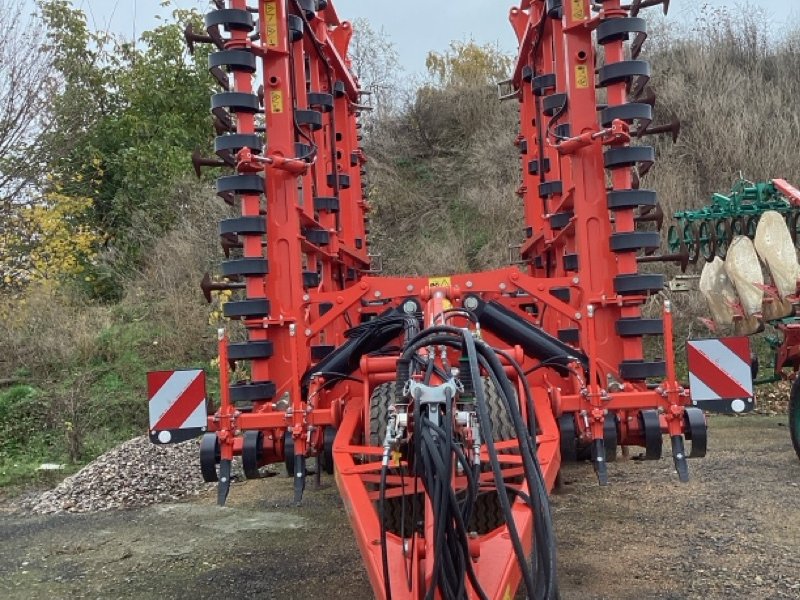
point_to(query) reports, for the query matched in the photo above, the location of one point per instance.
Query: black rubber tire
(487, 513)
(209, 457)
(794, 416)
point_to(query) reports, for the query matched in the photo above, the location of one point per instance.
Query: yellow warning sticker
(507, 595)
(582, 76)
(439, 282)
(578, 10)
(271, 11)
(276, 101)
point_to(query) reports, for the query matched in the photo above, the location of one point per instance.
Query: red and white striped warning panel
(177, 405)
(720, 375)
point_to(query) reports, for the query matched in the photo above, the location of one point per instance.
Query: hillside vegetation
(107, 233)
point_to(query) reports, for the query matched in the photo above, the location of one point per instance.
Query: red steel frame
(313, 311)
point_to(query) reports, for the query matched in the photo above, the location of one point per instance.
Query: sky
(414, 26)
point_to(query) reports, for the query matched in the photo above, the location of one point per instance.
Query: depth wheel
(209, 457)
(252, 453)
(327, 449)
(794, 416)
(288, 453)
(651, 429)
(696, 431)
(569, 438)
(610, 437)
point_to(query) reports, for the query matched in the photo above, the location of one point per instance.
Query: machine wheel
(399, 512)
(651, 429)
(696, 431)
(288, 453)
(569, 438)
(794, 416)
(252, 453)
(209, 457)
(327, 449)
(610, 437)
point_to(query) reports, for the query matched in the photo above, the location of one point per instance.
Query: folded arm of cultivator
(445, 406)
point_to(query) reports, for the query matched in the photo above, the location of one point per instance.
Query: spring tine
(220, 128)
(673, 127)
(191, 38)
(224, 117)
(681, 258)
(638, 5)
(216, 37)
(221, 77)
(208, 286)
(198, 162)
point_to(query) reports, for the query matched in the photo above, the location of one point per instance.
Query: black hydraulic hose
(485, 421)
(387, 584)
(531, 468)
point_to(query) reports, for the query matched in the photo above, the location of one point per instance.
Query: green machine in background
(707, 232)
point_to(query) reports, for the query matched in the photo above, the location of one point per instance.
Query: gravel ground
(732, 532)
(132, 475)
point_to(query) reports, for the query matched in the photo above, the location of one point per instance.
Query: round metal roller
(724, 235)
(240, 184)
(233, 60)
(321, 101)
(553, 103)
(550, 188)
(629, 113)
(233, 142)
(625, 71)
(639, 370)
(691, 239)
(696, 431)
(624, 199)
(236, 102)
(230, 19)
(245, 266)
(542, 83)
(252, 391)
(326, 204)
(209, 457)
(650, 424)
(636, 284)
(252, 453)
(243, 226)
(246, 309)
(708, 240)
(308, 118)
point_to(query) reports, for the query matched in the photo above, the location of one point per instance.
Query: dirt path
(733, 532)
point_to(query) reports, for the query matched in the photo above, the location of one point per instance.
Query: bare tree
(25, 78)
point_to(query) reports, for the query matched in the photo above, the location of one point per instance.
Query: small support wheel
(252, 453)
(327, 449)
(569, 438)
(651, 429)
(288, 452)
(794, 416)
(209, 457)
(610, 437)
(696, 431)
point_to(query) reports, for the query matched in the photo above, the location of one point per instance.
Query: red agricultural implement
(444, 406)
